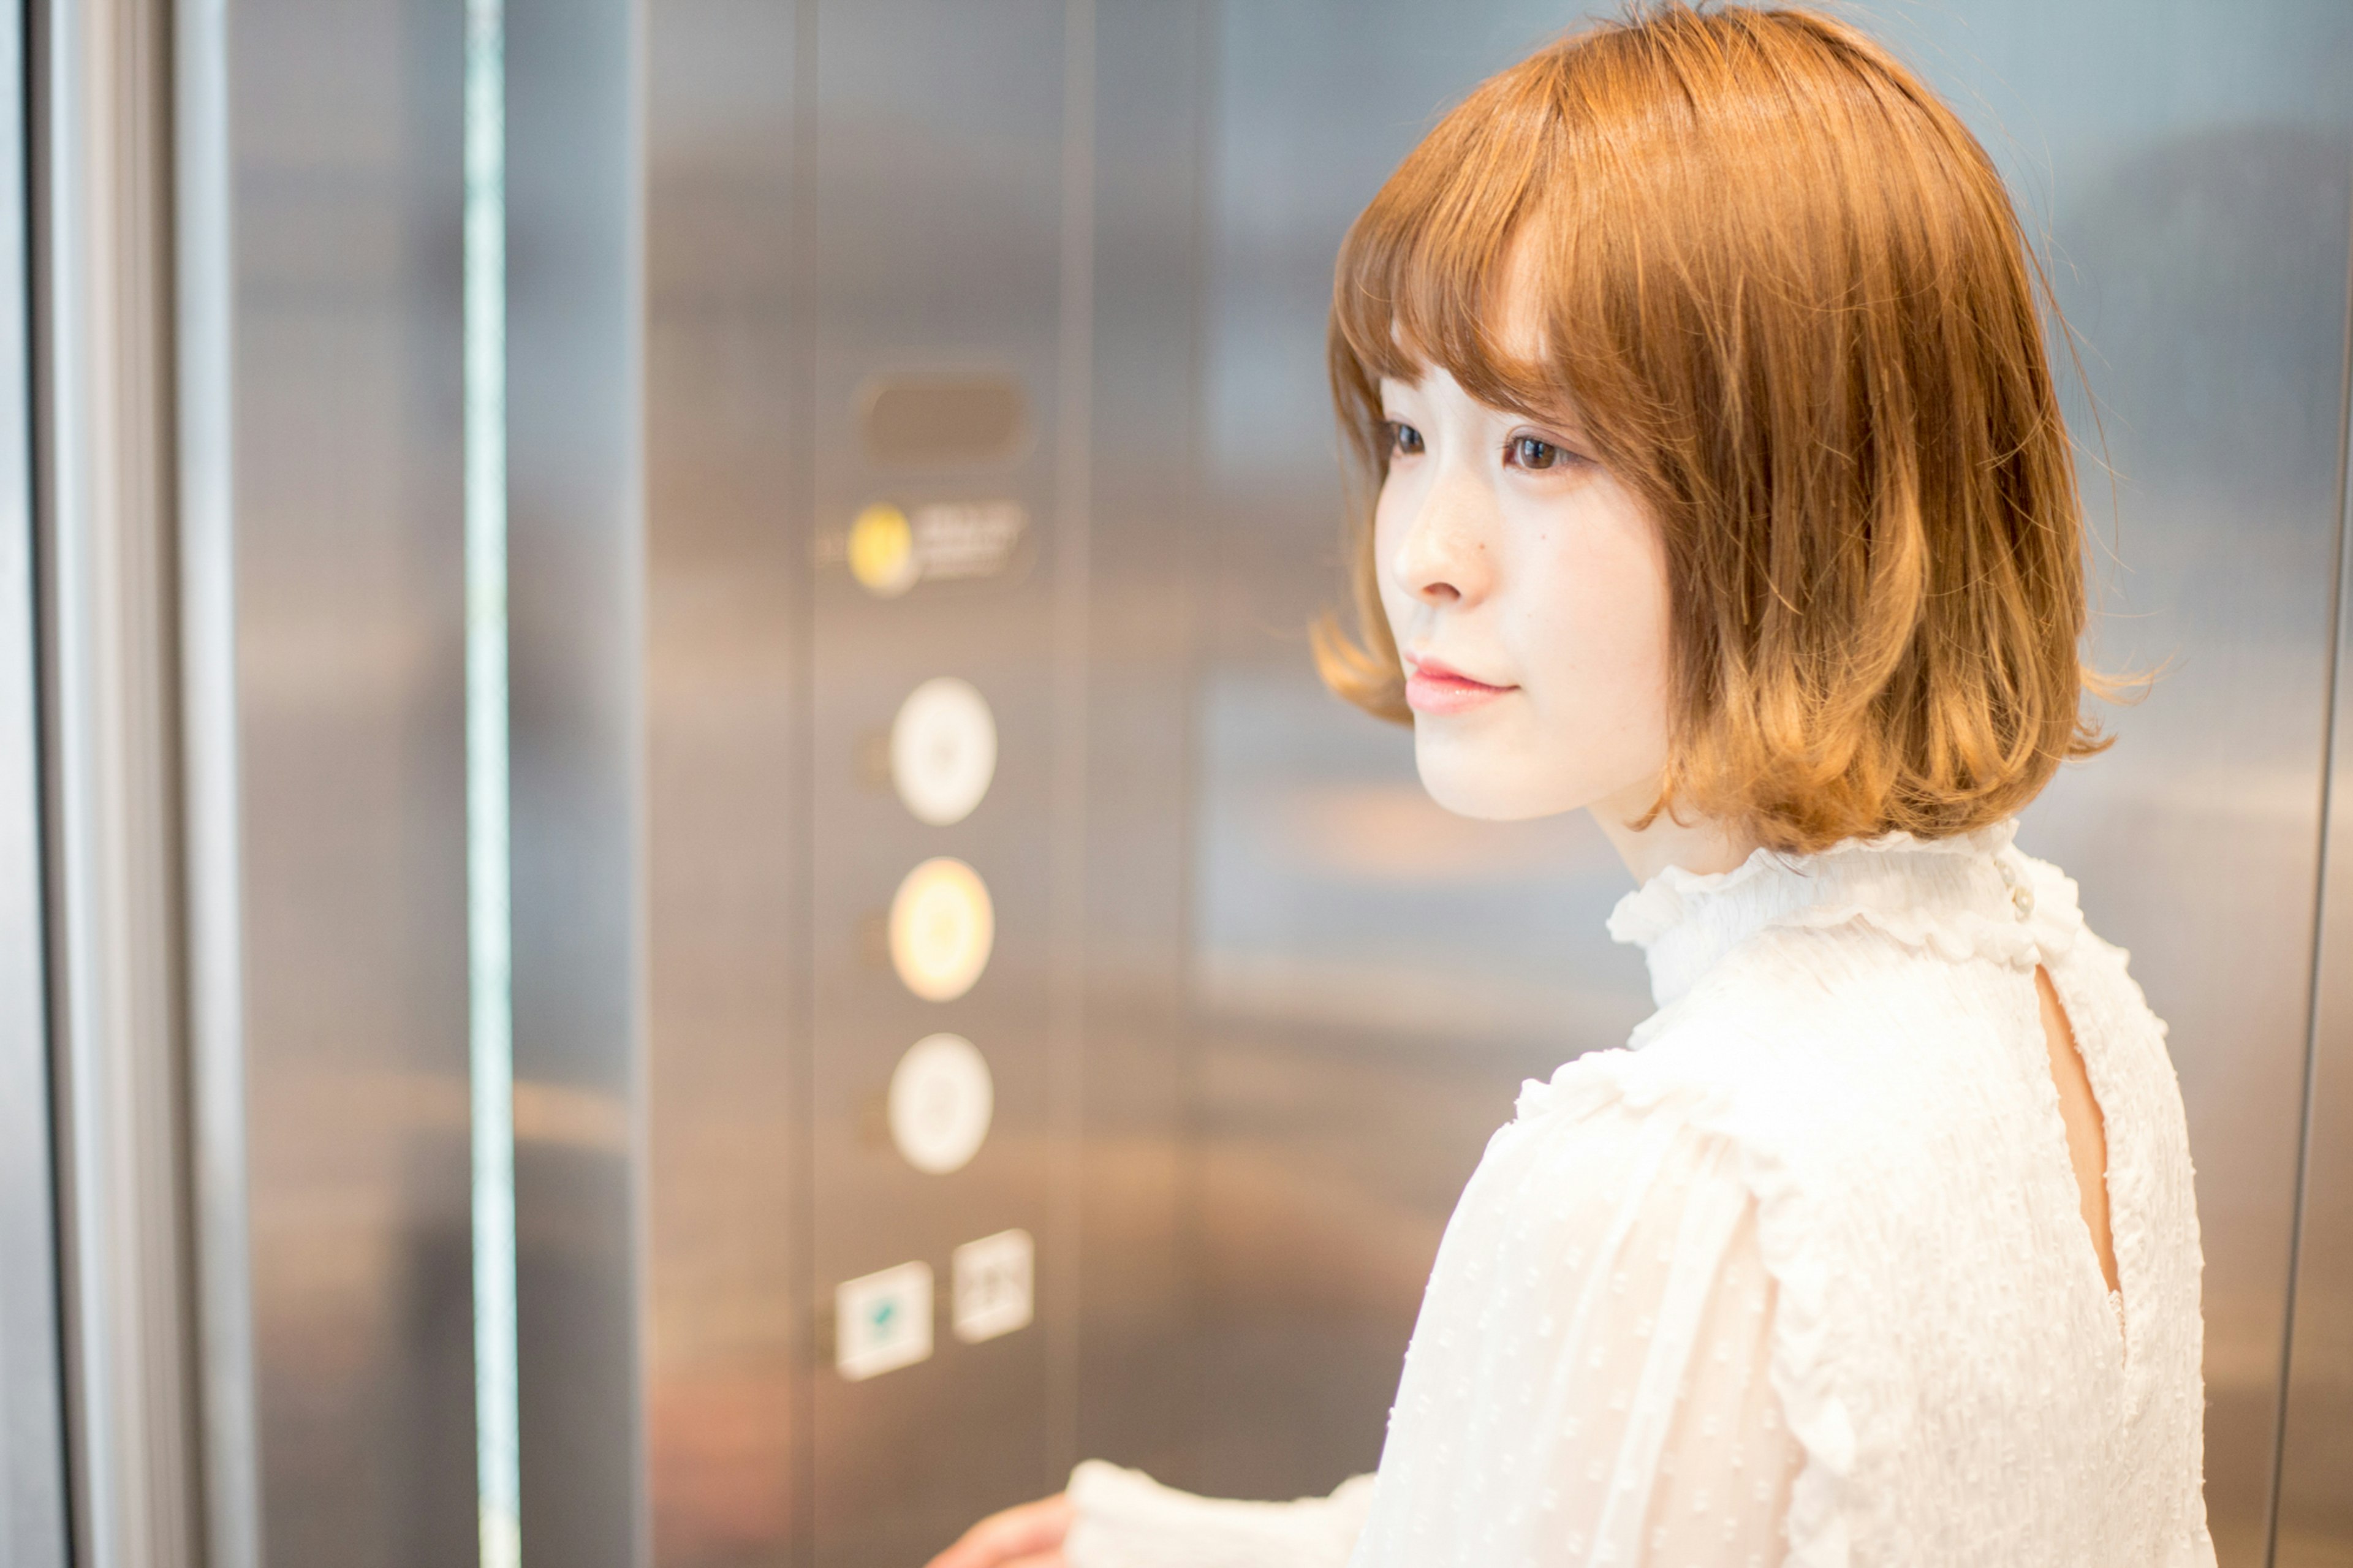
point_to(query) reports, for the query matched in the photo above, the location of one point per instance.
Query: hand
(1029, 1536)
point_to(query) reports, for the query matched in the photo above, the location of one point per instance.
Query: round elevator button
(882, 550)
(943, 751)
(942, 1099)
(942, 928)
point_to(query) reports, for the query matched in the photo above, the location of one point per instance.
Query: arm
(1590, 1380)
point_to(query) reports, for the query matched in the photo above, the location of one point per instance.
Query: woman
(1722, 492)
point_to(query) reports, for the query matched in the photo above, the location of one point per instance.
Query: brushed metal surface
(726, 824)
(345, 119)
(1376, 978)
(575, 575)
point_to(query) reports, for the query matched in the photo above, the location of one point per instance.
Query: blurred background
(484, 485)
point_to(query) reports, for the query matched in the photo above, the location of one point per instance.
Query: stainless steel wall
(344, 183)
(1254, 1004)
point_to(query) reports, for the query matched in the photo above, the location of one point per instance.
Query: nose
(1445, 557)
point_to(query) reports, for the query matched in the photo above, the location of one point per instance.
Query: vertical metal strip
(1073, 461)
(33, 1514)
(489, 939)
(2327, 1004)
(213, 862)
(113, 768)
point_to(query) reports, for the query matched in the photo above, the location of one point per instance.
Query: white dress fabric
(1799, 1277)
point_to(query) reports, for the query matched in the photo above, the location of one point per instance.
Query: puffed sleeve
(1127, 1519)
(1589, 1382)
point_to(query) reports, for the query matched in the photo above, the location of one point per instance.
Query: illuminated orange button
(942, 929)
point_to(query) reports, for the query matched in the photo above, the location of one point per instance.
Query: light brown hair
(1784, 292)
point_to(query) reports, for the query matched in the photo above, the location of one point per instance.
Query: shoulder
(1805, 1030)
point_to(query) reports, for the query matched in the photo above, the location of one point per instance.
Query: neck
(1703, 845)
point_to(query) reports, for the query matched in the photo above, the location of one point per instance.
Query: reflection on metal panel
(344, 140)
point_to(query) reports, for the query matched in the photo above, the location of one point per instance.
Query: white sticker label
(942, 1098)
(994, 1285)
(942, 928)
(943, 751)
(882, 1321)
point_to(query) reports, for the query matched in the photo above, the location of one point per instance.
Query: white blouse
(1800, 1276)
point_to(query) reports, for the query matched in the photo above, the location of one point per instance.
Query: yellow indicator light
(882, 550)
(942, 928)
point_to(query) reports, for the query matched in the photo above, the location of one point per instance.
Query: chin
(1489, 788)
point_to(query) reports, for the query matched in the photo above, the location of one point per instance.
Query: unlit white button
(943, 750)
(942, 1100)
(994, 1285)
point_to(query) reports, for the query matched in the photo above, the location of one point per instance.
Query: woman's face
(1528, 593)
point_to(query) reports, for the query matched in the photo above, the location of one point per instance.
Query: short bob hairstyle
(1783, 291)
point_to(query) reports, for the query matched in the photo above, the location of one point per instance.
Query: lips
(1438, 689)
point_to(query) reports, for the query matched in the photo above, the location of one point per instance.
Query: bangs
(1426, 276)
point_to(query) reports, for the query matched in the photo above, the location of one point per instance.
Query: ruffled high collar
(1972, 896)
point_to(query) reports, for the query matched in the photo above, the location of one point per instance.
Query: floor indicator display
(941, 1101)
(890, 549)
(882, 1321)
(943, 751)
(993, 1284)
(942, 928)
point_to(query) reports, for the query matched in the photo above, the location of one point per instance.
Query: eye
(1535, 452)
(1405, 441)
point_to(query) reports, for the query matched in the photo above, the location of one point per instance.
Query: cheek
(1390, 509)
(1596, 628)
